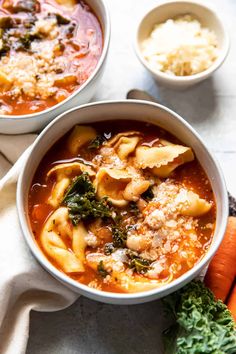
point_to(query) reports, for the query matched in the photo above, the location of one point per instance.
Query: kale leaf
(81, 201)
(26, 40)
(119, 236)
(133, 208)
(80, 185)
(97, 142)
(5, 47)
(148, 194)
(137, 263)
(202, 325)
(101, 270)
(109, 248)
(62, 20)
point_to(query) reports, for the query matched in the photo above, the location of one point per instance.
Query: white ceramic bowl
(169, 9)
(19, 124)
(132, 110)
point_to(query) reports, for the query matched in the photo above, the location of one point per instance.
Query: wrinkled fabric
(24, 284)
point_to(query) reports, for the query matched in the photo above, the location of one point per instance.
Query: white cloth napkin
(24, 284)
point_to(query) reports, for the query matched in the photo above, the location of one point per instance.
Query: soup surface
(48, 49)
(122, 210)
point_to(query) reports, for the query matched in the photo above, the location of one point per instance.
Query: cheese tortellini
(190, 204)
(125, 143)
(111, 183)
(63, 173)
(162, 160)
(54, 237)
(80, 136)
(120, 186)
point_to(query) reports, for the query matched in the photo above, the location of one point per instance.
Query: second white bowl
(169, 9)
(19, 124)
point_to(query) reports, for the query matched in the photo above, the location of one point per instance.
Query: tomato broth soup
(122, 210)
(48, 49)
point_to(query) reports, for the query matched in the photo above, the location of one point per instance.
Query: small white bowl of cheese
(181, 43)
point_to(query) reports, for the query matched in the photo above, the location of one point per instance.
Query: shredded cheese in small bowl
(180, 47)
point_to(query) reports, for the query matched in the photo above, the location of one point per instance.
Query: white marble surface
(88, 327)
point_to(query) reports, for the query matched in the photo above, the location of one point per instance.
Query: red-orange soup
(47, 51)
(122, 210)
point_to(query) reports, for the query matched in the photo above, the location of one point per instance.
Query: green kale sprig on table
(202, 325)
(82, 203)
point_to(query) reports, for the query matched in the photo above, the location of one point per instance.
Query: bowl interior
(204, 14)
(99, 9)
(122, 110)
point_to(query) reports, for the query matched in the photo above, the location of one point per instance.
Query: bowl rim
(105, 296)
(106, 41)
(223, 53)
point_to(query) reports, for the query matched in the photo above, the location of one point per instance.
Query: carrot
(231, 303)
(222, 269)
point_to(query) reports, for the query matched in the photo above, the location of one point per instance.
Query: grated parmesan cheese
(33, 72)
(180, 47)
(92, 240)
(37, 80)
